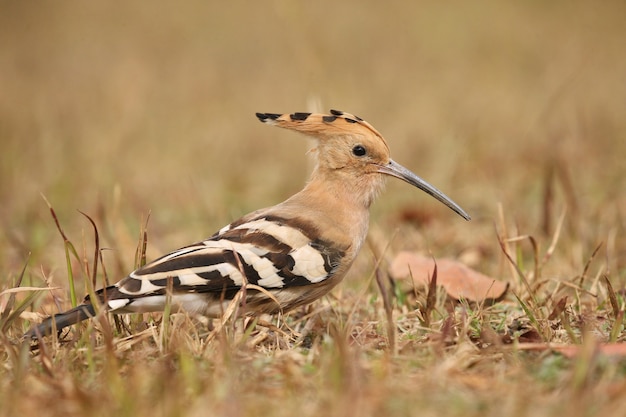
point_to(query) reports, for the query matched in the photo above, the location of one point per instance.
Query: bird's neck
(340, 208)
(354, 191)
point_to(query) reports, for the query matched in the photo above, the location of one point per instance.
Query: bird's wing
(267, 251)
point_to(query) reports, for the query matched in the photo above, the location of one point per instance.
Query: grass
(143, 119)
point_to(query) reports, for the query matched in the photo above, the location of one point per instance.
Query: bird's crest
(337, 123)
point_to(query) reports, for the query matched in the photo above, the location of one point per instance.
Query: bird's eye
(359, 150)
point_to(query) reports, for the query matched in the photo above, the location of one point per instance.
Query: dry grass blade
(69, 247)
(555, 239)
(142, 246)
(264, 291)
(536, 273)
(431, 298)
(8, 313)
(241, 307)
(588, 264)
(504, 243)
(230, 313)
(387, 305)
(519, 272)
(548, 199)
(96, 254)
(23, 289)
(618, 326)
(612, 296)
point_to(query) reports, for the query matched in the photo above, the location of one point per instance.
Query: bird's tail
(59, 321)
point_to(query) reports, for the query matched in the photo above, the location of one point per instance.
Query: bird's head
(351, 151)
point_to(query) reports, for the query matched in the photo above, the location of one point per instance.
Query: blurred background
(120, 109)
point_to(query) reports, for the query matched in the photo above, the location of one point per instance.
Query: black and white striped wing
(269, 252)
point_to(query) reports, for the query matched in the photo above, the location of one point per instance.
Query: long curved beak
(396, 170)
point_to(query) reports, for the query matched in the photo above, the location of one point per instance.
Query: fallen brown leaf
(530, 336)
(459, 281)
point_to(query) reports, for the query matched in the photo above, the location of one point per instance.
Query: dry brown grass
(129, 110)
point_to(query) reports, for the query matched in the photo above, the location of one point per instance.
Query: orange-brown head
(351, 152)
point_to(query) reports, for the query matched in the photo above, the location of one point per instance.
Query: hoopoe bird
(290, 254)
